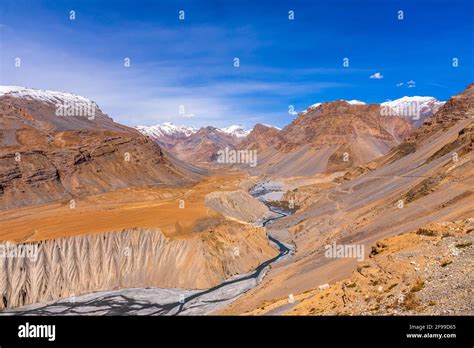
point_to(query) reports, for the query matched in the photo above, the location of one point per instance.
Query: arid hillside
(424, 272)
(419, 182)
(332, 137)
(46, 157)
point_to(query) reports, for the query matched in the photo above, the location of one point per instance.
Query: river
(157, 301)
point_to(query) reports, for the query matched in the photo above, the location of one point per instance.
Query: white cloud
(152, 92)
(411, 84)
(377, 76)
(400, 84)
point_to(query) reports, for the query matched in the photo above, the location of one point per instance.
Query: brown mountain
(202, 147)
(331, 137)
(425, 184)
(45, 156)
(459, 109)
(327, 137)
(262, 137)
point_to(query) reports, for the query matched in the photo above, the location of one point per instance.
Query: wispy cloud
(186, 72)
(377, 75)
(153, 92)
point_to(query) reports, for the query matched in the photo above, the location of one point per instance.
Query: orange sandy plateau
(125, 208)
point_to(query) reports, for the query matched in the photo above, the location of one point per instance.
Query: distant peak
(167, 129)
(236, 130)
(425, 100)
(41, 95)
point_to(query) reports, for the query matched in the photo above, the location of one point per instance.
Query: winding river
(157, 301)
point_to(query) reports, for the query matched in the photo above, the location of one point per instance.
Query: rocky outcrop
(238, 205)
(425, 272)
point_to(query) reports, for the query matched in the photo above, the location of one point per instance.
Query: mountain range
(326, 137)
(355, 173)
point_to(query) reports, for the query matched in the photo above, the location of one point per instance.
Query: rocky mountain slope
(167, 134)
(198, 146)
(237, 205)
(332, 137)
(202, 146)
(424, 272)
(426, 179)
(262, 137)
(326, 137)
(47, 155)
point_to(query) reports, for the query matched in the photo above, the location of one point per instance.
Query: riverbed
(158, 301)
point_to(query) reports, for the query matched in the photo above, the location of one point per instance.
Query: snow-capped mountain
(169, 130)
(236, 131)
(355, 102)
(424, 103)
(42, 95)
(417, 109)
(167, 134)
(166, 129)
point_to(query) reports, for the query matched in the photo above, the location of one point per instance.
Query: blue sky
(191, 63)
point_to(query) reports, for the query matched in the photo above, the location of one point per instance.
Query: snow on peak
(166, 129)
(354, 102)
(270, 126)
(235, 130)
(42, 95)
(311, 107)
(421, 102)
(314, 106)
(418, 107)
